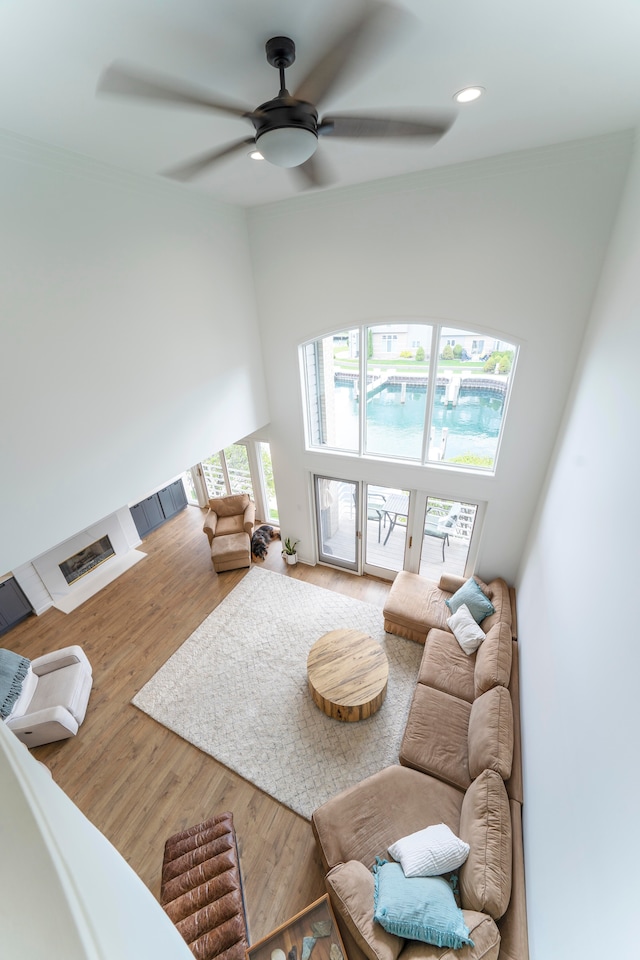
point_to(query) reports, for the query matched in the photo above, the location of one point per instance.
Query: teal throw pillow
(417, 908)
(472, 596)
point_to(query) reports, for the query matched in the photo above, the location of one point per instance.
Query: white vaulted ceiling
(554, 70)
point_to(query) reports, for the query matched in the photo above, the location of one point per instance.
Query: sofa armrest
(49, 662)
(210, 523)
(450, 583)
(249, 517)
(44, 726)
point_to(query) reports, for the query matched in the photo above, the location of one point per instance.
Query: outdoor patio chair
(442, 526)
(375, 509)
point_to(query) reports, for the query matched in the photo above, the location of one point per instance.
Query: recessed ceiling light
(256, 155)
(468, 95)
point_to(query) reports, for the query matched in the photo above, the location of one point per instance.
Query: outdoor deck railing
(240, 481)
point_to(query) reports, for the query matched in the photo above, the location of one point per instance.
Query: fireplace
(75, 570)
(87, 559)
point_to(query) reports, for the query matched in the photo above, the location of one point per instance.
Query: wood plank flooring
(137, 781)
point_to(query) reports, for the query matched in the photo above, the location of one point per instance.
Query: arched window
(409, 391)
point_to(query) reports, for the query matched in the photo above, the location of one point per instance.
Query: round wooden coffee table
(347, 672)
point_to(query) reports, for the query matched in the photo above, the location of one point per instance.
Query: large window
(418, 392)
(332, 375)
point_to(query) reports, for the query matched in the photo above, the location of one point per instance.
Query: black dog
(261, 539)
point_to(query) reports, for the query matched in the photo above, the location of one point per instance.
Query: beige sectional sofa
(459, 764)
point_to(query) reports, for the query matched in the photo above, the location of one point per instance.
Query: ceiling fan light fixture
(256, 155)
(287, 146)
(468, 94)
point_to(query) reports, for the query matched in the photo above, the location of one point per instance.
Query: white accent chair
(54, 697)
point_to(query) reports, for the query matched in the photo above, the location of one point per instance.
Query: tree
(369, 343)
(457, 351)
(473, 460)
(503, 362)
(447, 353)
(420, 354)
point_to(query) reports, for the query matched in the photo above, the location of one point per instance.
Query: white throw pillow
(430, 852)
(465, 629)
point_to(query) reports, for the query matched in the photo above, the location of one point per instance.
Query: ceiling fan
(286, 128)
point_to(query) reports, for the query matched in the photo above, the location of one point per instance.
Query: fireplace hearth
(87, 559)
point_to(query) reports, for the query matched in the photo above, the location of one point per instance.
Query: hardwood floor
(137, 781)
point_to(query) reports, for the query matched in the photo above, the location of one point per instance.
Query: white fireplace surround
(44, 583)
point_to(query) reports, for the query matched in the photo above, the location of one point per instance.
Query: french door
(243, 467)
(337, 521)
(380, 530)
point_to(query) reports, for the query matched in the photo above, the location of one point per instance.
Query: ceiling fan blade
(123, 80)
(352, 49)
(365, 126)
(314, 172)
(191, 168)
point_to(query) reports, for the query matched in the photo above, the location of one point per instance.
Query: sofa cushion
(415, 605)
(418, 908)
(435, 737)
(490, 737)
(470, 594)
(429, 852)
(446, 667)
(360, 822)
(228, 506)
(236, 546)
(493, 660)
(482, 930)
(227, 526)
(498, 592)
(350, 887)
(465, 629)
(485, 824)
(514, 784)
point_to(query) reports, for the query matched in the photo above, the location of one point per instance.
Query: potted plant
(289, 550)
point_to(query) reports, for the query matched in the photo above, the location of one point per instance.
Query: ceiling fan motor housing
(286, 131)
(286, 128)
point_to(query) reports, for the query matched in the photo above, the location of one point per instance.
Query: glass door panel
(448, 527)
(190, 486)
(268, 483)
(337, 516)
(238, 472)
(214, 477)
(228, 472)
(387, 511)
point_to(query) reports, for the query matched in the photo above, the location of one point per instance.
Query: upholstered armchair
(229, 526)
(53, 699)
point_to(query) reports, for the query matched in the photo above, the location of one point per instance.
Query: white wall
(130, 346)
(90, 903)
(512, 245)
(580, 655)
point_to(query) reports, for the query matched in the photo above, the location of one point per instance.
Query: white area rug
(237, 689)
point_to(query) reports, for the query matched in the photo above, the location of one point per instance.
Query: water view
(394, 428)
